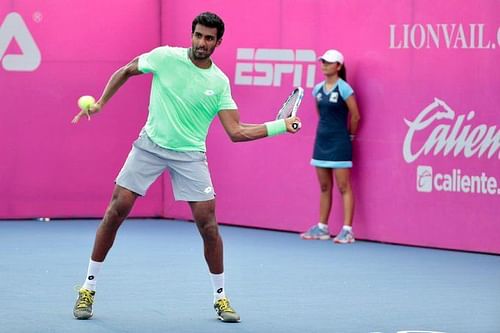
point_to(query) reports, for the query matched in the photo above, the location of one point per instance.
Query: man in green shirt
(188, 91)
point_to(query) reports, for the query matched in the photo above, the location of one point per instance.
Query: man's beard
(204, 54)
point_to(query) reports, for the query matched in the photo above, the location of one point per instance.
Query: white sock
(218, 286)
(347, 228)
(92, 272)
(323, 226)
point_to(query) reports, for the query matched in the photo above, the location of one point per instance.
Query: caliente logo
(451, 134)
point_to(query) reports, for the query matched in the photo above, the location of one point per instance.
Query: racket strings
(289, 106)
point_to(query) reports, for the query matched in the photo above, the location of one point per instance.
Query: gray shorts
(147, 161)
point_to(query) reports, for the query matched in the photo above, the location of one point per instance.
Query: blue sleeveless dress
(332, 147)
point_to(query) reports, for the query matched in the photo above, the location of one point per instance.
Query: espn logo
(424, 178)
(13, 27)
(266, 67)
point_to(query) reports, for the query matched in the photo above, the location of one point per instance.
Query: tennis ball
(86, 102)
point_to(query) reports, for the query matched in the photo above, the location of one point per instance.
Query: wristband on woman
(352, 136)
(275, 127)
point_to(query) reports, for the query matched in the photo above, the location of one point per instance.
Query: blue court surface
(155, 280)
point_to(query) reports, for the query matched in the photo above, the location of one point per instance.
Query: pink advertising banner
(426, 159)
(52, 52)
(426, 165)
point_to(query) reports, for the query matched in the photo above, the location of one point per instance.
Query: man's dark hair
(209, 20)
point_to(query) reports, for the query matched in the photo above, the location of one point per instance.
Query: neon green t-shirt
(184, 98)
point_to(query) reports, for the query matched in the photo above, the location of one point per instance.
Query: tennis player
(188, 91)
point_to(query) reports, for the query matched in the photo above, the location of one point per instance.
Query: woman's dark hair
(343, 73)
(209, 20)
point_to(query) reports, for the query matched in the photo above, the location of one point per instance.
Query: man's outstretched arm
(238, 131)
(115, 82)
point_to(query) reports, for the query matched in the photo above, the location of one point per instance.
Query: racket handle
(295, 126)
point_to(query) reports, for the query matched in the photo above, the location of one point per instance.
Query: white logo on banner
(455, 181)
(446, 133)
(266, 67)
(13, 27)
(424, 178)
(443, 35)
(453, 136)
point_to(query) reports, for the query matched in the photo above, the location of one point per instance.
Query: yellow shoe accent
(225, 312)
(83, 305)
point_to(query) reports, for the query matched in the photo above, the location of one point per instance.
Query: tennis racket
(291, 105)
